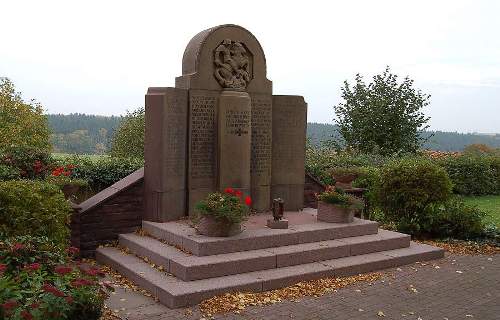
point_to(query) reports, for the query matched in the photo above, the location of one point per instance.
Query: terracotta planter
(334, 214)
(344, 181)
(70, 190)
(210, 227)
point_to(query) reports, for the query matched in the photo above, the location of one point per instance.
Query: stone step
(183, 236)
(175, 293)
(188, 267)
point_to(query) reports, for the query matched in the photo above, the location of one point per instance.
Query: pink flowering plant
(40, 280)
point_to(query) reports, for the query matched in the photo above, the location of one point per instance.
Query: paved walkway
(457, 287)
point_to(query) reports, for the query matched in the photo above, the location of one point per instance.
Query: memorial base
(277, 224)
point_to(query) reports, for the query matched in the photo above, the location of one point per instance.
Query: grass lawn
(490, 204)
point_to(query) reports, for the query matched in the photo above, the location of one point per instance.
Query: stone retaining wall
(100, 219)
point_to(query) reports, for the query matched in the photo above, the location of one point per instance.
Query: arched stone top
(203, 67)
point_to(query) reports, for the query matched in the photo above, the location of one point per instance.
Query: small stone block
(277, 224)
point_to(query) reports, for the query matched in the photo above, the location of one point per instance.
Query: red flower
(248, 201)
(66, 173)
(229, 190)
(69, 299)
(58, 171)
(53, 290)
(70, 167)
(81, 283)
(9, 304)
(32, 267)
(26, 315)
(35, 305)
(18, 246)
(73, 250)
(62, 270)
(238, 193)
(3, 267)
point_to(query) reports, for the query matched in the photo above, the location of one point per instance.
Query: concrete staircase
(196, 267)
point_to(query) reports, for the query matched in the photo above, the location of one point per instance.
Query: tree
(22, 124)
(128, 140)
(382, 117)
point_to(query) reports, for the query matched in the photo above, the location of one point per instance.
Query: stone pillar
(234, 139)
(165, 154)
(289, 144)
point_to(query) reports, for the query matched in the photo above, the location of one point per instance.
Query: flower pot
(344, 180)
(70, 190)
(332, 213)
(211, 227)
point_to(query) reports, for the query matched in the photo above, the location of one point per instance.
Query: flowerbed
(39, 280)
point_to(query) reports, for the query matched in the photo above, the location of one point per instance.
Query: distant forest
(91, 134)
(81, 133)
(437, 140)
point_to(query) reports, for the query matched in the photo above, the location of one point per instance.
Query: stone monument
(220, 127)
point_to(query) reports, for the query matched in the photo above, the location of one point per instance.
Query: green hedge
(320, 162)
(103, 171)
(33, 208)
(473, 175)
(407, 188)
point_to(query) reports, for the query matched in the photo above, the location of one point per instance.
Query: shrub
(33, 207)
(473, 175)
(103, 172)
(8, 173)
(229, 206)
(319, 162)
(32, 163)
(454, 219)
(339, 198)
(22, 123)
(128, 141)
(39, 281)
(407, 188)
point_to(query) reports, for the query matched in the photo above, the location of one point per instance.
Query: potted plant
(336, 206)
(62, 177)
(221, 214)
(344, 176)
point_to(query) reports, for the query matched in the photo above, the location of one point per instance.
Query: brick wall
(311, 187)
(100, 219)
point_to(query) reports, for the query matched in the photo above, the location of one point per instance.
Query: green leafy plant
(30, 162)
(230, 206)
(102, 172)
(473, 174)
(22, 123)
(407, 188)
(9, 173)
(382, 117)
(339, 198)
(454, 219)
(33, 207)
(128, 140)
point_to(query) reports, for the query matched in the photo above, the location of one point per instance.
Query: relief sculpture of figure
(232, 65)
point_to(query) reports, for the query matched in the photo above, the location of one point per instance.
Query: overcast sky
(99, 57)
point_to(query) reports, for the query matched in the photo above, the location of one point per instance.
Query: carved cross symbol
(239, 132)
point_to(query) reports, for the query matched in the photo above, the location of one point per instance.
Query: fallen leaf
(380, 314)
